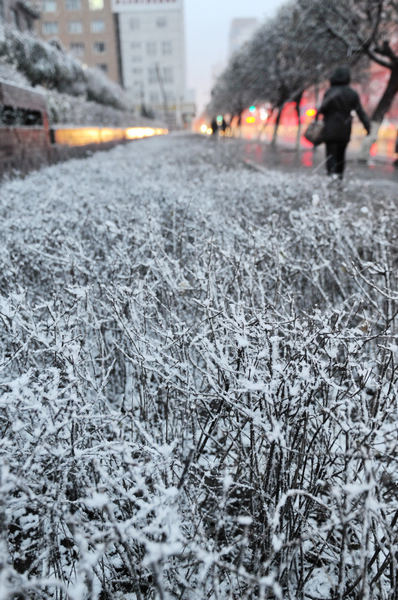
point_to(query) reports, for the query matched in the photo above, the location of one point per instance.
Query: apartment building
(152, 50)
(86, 28)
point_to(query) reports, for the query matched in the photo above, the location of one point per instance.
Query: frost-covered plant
(45, 64)
(75, 110)
(64, 109)
(198, 382)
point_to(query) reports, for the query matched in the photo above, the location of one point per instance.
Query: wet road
(309, 160)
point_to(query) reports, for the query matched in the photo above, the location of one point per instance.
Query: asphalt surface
(312, 161)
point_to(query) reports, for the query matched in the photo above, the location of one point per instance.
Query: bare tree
(286, 55)
(366, 27)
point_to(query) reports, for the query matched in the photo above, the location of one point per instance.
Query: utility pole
(163, 92)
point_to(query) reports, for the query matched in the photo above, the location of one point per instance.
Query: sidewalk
(287, 158)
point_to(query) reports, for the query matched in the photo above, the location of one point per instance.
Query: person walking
(214, 126)
(224, 126)
(337, 105)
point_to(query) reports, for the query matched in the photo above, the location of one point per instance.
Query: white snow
(181, 411)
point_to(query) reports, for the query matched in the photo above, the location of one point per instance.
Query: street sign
(132, 5)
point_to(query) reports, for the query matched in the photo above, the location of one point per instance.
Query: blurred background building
(152, 51)
(241, 31)
(137, 43)
(86, 28)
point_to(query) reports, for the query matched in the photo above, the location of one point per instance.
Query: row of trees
(298, 48)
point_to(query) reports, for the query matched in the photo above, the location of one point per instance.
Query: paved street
(310, 161)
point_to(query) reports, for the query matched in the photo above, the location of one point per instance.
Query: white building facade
(152, 51)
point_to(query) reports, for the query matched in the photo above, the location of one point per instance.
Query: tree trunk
(379, 112)
(277, 122)
(264, 125)
(240, 123)
(298, 137)
(387, 98)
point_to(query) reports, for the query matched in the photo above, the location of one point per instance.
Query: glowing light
(84, 136)
(263, 114)
(209, 131)
(251, 120)
(252, 109)
(204, 128)
(78, 137)
(311, 112)
(107, 134)
(137, 133)
(219, 119)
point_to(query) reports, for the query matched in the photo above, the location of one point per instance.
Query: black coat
(338, 103)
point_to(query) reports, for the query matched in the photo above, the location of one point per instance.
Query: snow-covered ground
(198, 379)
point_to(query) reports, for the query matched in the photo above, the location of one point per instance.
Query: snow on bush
(44, 64)
(198, 381)
(74, 110)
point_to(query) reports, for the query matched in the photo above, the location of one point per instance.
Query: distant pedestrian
(396, 151)
(224, 126)
(214, 126)
(338, 103)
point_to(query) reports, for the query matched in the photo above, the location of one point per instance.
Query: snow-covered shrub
(74, 110)
(66, 109)
(101, 89)
(9, 73)
(45, 64)
(198, 378)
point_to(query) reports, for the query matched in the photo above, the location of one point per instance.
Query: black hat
(341, 76)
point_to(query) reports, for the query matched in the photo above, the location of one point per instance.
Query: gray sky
(207, 24)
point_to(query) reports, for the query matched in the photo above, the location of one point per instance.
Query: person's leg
(330, 158)
(340, 159)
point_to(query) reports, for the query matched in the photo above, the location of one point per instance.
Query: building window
(152, 75)
(153, 98)
(134, 24)
(168, 75)
(99, 47)
(151, 48)
(170, 97)
(136, 71)
(135, 45)
(77, 48)
(167, 48)
(49, 6)
(73, 4)
(161, 22)
(75, 27)
(96, 4)
(50, 28)
(136, 59)
(97, 26)
(103, 67)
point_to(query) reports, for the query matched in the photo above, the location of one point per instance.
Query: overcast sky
(207, 24)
